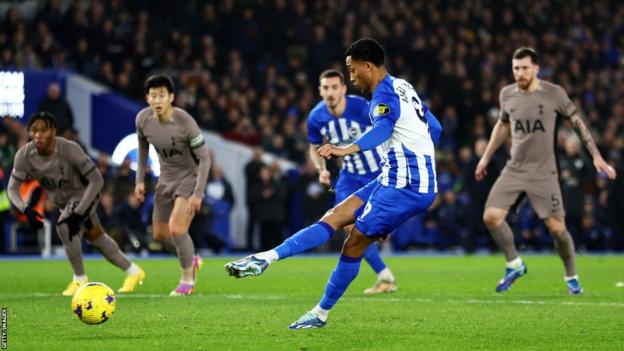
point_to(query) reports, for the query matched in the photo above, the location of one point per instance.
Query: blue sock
(371, 255)
(346, 270)
(305, 239)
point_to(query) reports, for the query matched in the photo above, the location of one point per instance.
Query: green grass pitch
(443, 303)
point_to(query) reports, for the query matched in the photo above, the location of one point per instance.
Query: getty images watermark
(4, 328)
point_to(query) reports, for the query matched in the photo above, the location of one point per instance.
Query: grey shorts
(165, 195)
(544, 194)
(92, 221)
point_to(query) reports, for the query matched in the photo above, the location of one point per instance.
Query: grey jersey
(65, 174)
(179, 144)
(532, 118)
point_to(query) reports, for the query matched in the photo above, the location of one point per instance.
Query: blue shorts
(349, 183)
(385, 208)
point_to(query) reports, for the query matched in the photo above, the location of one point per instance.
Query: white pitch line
(530, 302)
(370, 299)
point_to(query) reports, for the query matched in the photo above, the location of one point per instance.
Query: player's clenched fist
(139, 191)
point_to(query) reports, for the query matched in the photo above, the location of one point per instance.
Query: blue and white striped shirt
(345, 130)
(409, 158)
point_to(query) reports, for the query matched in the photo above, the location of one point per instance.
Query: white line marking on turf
(372, 299)
(529, 302)
(254, 297)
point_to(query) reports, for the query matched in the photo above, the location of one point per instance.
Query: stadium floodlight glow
(12, 94)
(129, 147)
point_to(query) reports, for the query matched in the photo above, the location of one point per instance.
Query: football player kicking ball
(73, 184)
(340, 119)
(184, 165)
(407, 184)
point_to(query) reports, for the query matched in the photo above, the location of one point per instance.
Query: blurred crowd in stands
(249, 71)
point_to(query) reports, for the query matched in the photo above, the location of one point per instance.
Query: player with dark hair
(184, 163)
(73, 184)
(406, 186)
(529, 110)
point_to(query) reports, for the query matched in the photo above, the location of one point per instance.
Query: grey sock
(111, 251)
(73, 249)
(169, 245)
(186, 250)
(503, 236)
(565, 246)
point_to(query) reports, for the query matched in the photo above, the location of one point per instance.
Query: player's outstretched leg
(113, 254)
(345, 272)
(385, 279)
(247, 266)
(304, 240)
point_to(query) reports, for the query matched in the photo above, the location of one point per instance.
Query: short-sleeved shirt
(345, 130)
(63, 174)
(173, 141)
(532, 118)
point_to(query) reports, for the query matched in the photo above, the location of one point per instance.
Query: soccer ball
(94, 303)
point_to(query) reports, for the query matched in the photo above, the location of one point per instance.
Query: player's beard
(364, 88)
(361, 85)
(524, 84)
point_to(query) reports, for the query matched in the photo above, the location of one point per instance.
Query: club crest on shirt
(354, 132)
(380, 110)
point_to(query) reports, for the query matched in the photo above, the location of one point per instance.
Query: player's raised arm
(583, 132)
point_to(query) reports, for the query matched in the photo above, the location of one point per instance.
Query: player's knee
(335, 217)
(492, 218)
(176, 228)
(352, 249)
(327, 214)
(160, 234)
(94, 233)
(355, 244)
(556, 228)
